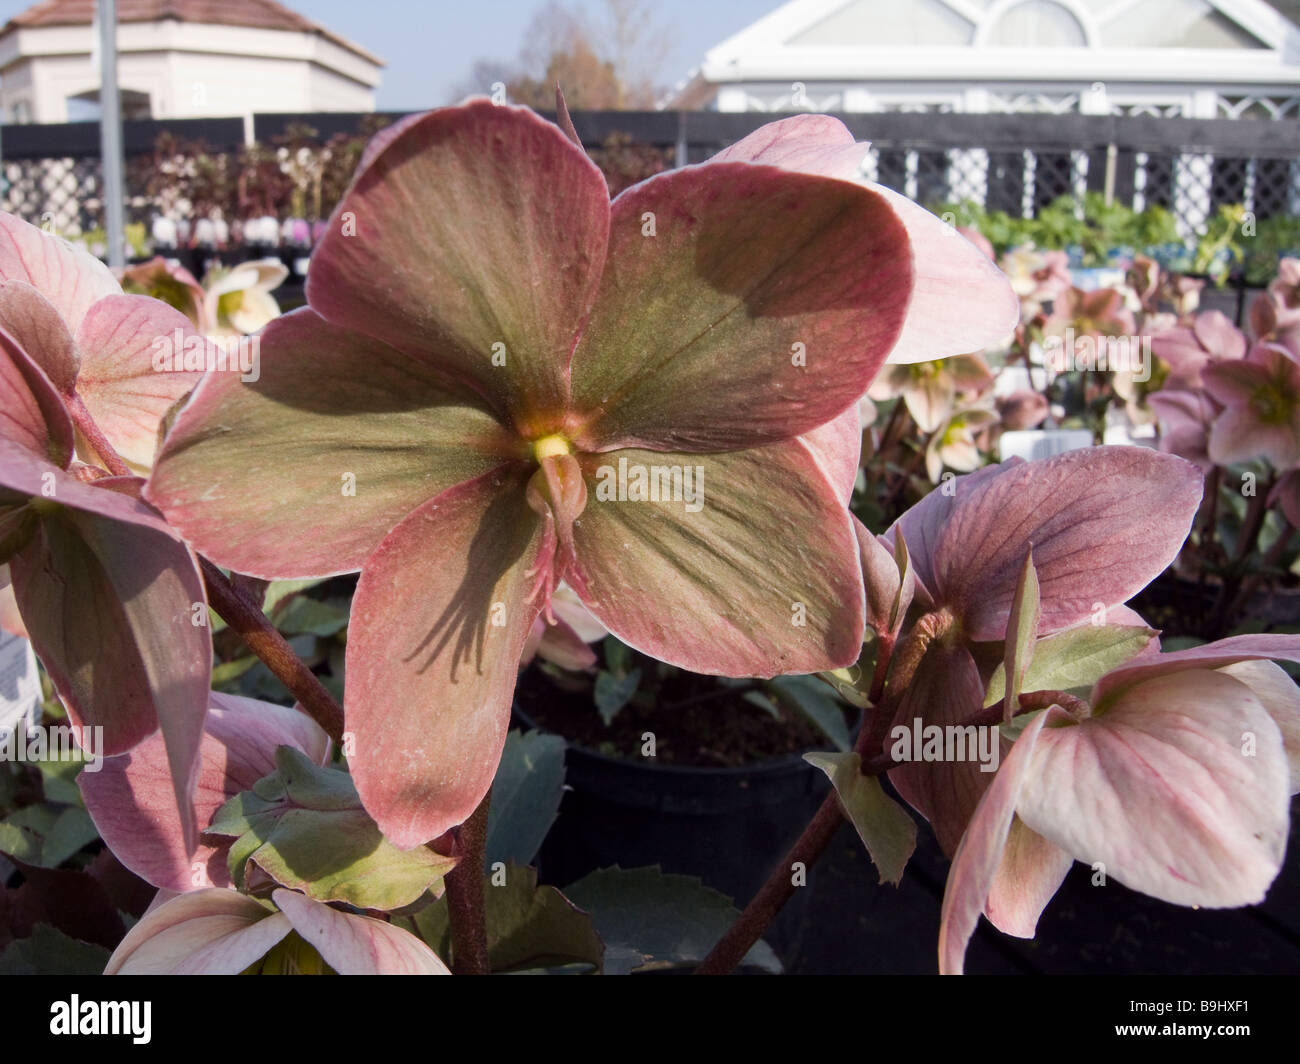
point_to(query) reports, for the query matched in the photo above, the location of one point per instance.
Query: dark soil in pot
(697, 808)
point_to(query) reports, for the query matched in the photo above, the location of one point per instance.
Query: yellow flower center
(551, 447)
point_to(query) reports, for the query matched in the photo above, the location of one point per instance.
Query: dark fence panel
(1011, 162)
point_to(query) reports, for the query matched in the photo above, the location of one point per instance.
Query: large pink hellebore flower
(220, 932)
(108, 593)
(97, 345)
(130, 796)
(493, 349)
(1175, 778)
(1103, 523)
(1261, 399)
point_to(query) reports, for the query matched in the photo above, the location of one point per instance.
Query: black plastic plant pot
(728, 826)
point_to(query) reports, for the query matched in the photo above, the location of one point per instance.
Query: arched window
(1038, 24)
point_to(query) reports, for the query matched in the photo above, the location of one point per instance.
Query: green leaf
(44, 836)
(48, 951)
(230, 671)
(525, 796)
(281, 589)
(613, 692)
(528, 926)
(885, 828)
(649, 920)
(811, 697)
(1022, 630)
(1076, 657)
(618, 655)
(757, 698)
(309, 616)
(305, 828)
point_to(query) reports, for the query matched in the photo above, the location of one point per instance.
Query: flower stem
(262, 638)
(465, 900)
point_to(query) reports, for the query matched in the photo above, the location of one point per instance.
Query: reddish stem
(466, 905)
(262, 638)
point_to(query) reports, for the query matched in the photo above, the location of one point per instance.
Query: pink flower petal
(205, 932)
(761, 307)
(947, 691)
(837, 447)
(476, 231)
(979, 856)
(960, 301)
(440, 618)
(124, 393)
(304, 471)
(32, 414)
(1029, 875)
(108, 594)
(1159, 789)
(68, 276)
(35, 324)
(357, 945)
(1278, 694)
(759, 576)
(1103, 522)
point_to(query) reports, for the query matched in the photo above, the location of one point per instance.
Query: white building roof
(1194, 57)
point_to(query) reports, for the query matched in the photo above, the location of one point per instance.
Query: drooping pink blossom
(1174, 778)
(1103, 523)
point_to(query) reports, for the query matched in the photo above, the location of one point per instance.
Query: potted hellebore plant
(533, 418)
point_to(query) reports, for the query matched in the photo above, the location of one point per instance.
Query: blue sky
(431, 45)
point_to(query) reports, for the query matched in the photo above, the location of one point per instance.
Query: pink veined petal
(70, 277)
(357, 945)
(837, 447)
(35, 324)
(947, 691)
(761, 307)
(1162, 789)
(108, 594)
(120, 341)
(960, 301)
(887, 598)
(753, 562)
(303, 471)
(132, 800)
(980, 853)
(1216, 655)
(473, 239)
(1280, 696)
(1104, 522)
(440, 618)
(32, 414)
(1029, 875)
(923, 525)
(205, 932)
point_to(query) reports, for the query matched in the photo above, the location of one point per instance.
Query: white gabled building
(1187, 58)
(180, 59)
